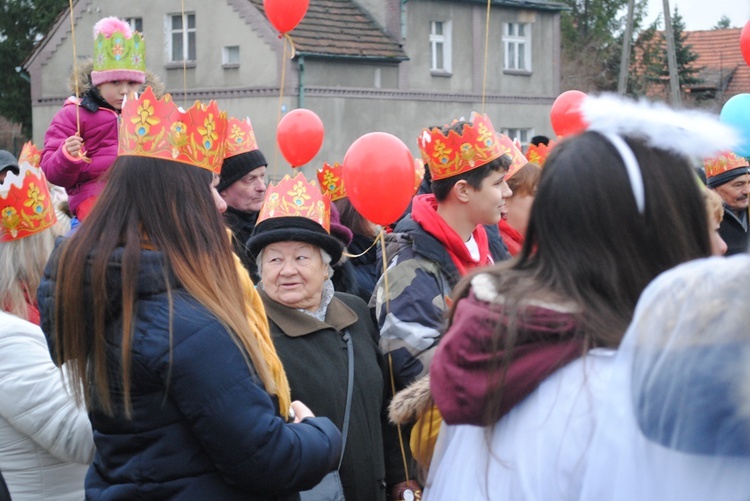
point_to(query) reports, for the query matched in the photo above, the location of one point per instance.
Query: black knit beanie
(237, 166)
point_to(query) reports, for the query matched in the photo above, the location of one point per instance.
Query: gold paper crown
(332, 181)
(725, 162)
(25, 202)
(454, 154)
(151, 127)
(240, 138)
(296, 197)
(538, 154)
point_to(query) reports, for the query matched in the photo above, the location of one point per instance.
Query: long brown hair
(147, 203)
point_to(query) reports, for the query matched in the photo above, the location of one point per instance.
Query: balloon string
(486, 51)
(285, 38)
(184, 56)
(374, 243)
(81, 154)
(381, 237)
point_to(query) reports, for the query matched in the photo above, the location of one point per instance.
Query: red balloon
(745, 42)
(300, 136)
(285, 15)
(378, 175)
(566, 115)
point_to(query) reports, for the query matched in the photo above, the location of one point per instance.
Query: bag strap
(349, 390)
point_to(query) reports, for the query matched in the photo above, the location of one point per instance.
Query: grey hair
(323, 255)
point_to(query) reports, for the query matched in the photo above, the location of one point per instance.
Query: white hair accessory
(631, 165)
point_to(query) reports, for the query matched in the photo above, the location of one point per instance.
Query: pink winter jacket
(80, 179)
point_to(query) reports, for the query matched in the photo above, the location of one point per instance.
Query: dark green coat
(315, 359)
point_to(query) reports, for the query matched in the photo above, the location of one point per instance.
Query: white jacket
(46, 441)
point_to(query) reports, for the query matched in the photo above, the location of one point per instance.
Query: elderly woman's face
(293, 274)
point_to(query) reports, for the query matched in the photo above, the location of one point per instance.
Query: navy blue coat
(202, 426)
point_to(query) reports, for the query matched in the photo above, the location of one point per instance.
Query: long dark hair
(147, 203)
(588, 246)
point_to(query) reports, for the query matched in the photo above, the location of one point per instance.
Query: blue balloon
(736, 113)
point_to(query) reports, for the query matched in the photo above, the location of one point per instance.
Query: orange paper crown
(538, 154)
(157, 128)
(508, 147)
(240, 138)
(296, 197)
(331, 181)
(725, 162)
(454, 154)
(25, 202)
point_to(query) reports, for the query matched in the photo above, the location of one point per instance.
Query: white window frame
(134, 22)
(514, 45)
(185, 31)
(443, 40)
(523, 134)
(227, 60)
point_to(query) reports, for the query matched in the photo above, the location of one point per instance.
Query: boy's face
(115, 92)
(487, 204)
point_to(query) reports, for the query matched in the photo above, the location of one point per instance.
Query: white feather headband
(688, 133)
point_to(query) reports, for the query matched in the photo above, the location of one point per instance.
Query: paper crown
(331, 181)
(418, 173)
(725, 162)
(240, 137)
(508, 147)
(25, 202)
(296, 197)
(455, 154)
(119, 53)
(157, 128)
(538, 154)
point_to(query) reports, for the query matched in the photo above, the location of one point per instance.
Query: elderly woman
(309, 323)
(46, 442)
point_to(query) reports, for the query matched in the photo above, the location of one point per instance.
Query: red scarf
(424, 212)
(511, 237)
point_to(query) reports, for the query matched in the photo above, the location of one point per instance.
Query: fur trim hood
(83, 76)
(411, 402)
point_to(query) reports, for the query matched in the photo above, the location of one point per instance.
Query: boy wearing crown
(441, 240)
(729, 176)
(81, 142)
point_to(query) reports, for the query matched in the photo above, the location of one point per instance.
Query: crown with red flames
(725, 162)
(538, 153)
(331, 180)
(453, 154)
(296, 197)
(508, 147)
(240, 137)
(25, 202)
(157, 128)
(418, 173)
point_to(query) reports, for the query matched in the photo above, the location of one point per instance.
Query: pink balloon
(299, 136)
(285, 15)
(378, 173)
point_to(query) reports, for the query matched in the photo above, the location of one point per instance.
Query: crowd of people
(538, 325)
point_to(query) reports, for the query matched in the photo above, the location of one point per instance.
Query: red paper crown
(25, 202)
(726, 161)
(538, 154)
(454, 154)
(296, 197)
(418, 173)
(331, 181)
(240, 137)
(508, 147)
(157, 128)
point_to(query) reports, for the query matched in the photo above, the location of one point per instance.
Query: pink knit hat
(119, 53)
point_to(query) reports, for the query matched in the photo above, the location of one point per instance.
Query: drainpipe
(301, 68)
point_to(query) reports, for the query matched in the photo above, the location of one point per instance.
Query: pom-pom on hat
(25, 203)
(119, 53)
(725, 167)
(295, 210)
(242, 154)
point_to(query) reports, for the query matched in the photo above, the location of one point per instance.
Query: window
(523, 135)
(136, 23)
(440, 47)
(517, 42)
(182, 37)
(230, 56)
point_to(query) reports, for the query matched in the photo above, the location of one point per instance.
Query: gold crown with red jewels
(296, 197)
(25, 202)
(240, 137)
(724, 162)
(538, 153)
(331, 180)
(453, 154)
(157, 128)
